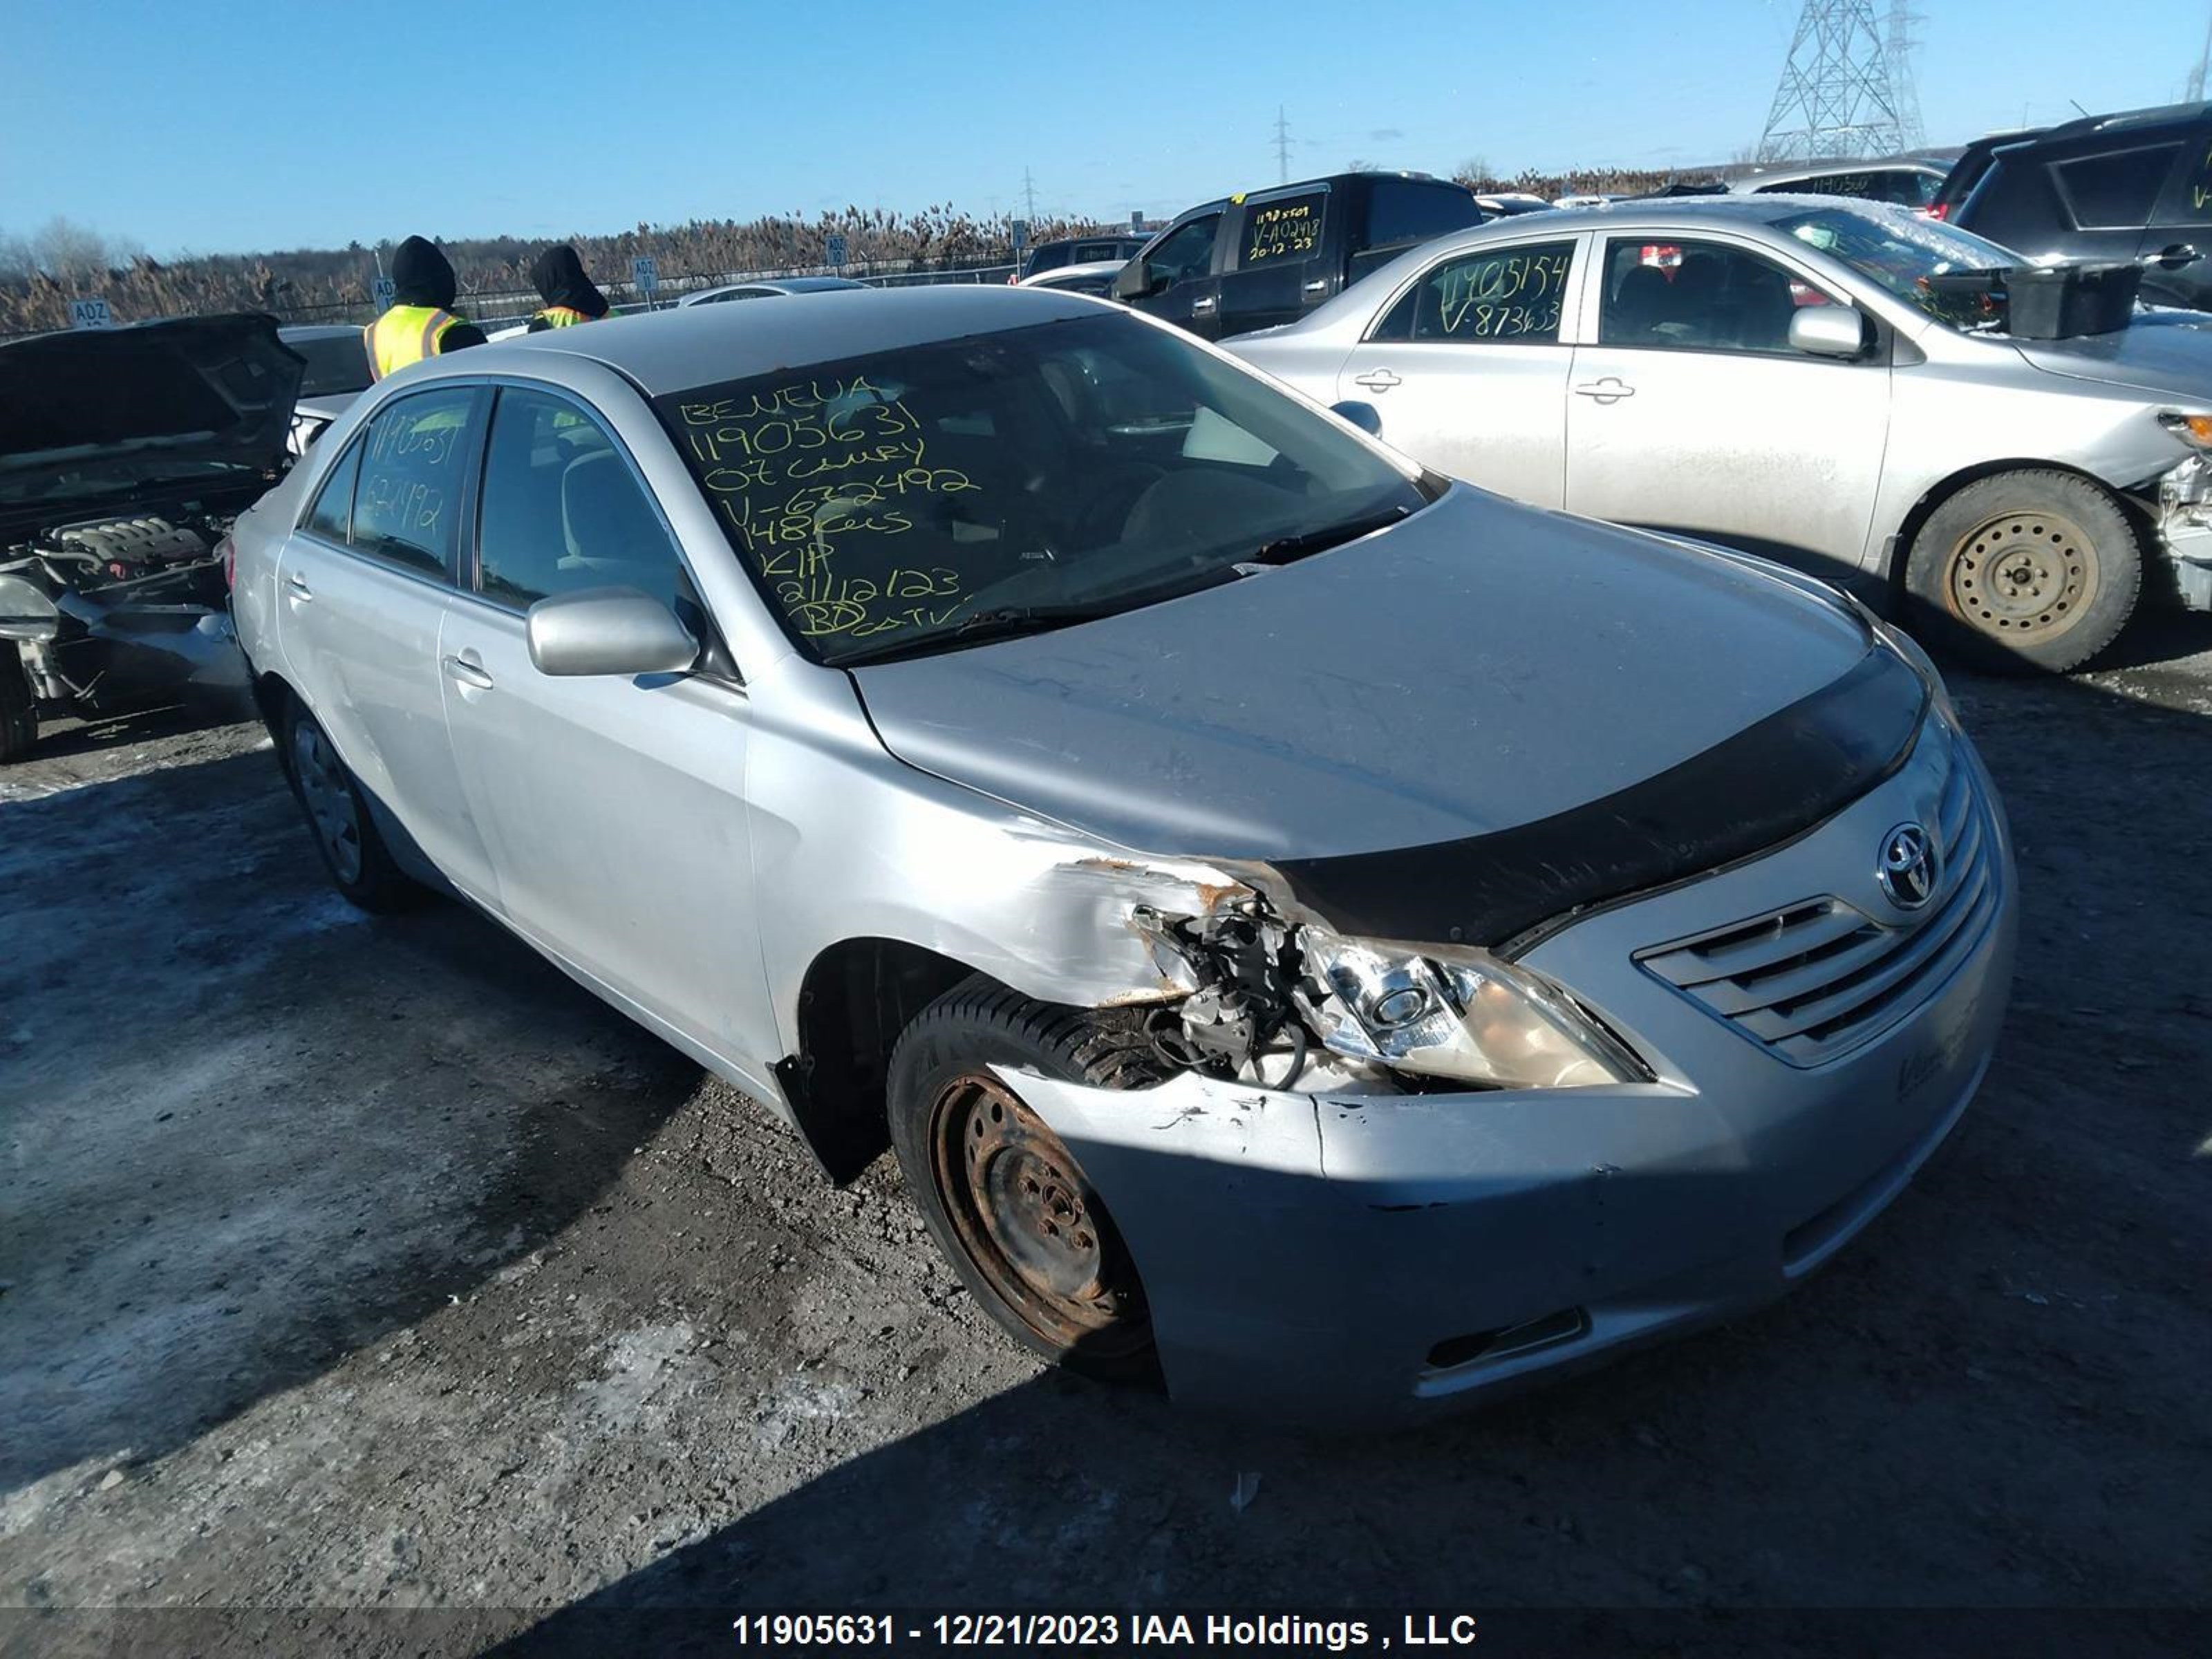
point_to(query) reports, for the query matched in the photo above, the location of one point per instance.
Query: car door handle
(468, 673)
(1610, 389)
(1318, 285)
(2174, 256)
(1377, 379)
(1203, 306)
(298, 585)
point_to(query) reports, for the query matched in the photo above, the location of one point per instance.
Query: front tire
(19, 706)
(1007, 1203)
(360, 865)
(2024, 570)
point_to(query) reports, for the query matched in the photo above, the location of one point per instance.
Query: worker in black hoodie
(421, 322)
(570, 296)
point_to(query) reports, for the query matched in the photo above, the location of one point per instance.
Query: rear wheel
(1007, 1202)
(19, 708)
(2024, 570)
(361, 866)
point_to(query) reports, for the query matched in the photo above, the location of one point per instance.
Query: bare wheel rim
(1027, 1217)
(329, 799)
(2024, 576)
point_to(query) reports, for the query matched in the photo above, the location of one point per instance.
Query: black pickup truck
(1270, 256)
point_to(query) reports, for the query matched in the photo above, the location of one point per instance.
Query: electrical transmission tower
(1897, 48)
(1838, 96)
(1029, 194)
(1282, 147)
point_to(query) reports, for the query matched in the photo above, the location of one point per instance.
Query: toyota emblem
(1907, 870)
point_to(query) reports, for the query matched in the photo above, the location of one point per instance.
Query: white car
(1093, 276)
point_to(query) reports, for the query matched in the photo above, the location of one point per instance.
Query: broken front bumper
(1355, 1261)
(2185, 524)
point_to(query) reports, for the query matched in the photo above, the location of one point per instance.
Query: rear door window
(2192, 201)
(1282, 229)
(1499, 296)
(2115, 190)
(407, 507)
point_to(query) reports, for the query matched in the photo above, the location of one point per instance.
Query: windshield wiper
(1005, 623)
(1284, 549)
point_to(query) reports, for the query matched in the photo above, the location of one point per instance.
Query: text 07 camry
(1334, 937)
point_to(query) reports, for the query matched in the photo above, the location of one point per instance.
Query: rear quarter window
(1401, 212)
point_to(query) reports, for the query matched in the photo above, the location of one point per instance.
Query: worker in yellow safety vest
(420, 322)
(570, 296)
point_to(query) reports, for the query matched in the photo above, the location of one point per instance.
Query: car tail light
(1937, 210)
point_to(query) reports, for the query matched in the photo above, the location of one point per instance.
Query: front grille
(1815, 979)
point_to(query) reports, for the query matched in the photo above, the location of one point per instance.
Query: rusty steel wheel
(2033, 568)
(2029, 575)
(1025, 1215)
(1014, 1213)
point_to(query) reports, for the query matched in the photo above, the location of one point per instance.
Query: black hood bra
(560, 279)
(421, 276)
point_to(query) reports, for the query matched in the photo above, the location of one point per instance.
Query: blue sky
(250, 125)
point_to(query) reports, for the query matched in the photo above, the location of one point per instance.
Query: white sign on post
(838, 252)
(645, 274)
(1021, 237)
(383, 291)
(90, 313)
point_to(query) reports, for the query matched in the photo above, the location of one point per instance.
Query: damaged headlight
(1449, 1011)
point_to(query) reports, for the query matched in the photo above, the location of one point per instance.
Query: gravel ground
(368, 1264)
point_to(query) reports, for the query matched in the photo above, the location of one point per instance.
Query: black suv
(1270, 256)
(2135, 186)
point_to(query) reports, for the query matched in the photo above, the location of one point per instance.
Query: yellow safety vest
(405, 335)
(561, 317)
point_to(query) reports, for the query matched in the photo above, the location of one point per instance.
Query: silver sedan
(1786, 375)
(1340, 937)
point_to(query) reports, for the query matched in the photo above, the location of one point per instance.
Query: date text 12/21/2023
(1257, 1632)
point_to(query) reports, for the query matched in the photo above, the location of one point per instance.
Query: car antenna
(2077, 105)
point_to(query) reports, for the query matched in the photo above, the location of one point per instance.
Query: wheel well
(1900, 548)
(273, 697)
(858, 997)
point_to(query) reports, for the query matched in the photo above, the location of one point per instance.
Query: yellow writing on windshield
(1506, 296)
(814, 477)
(1282, 230)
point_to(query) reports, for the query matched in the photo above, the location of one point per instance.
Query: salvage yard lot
(368, 1263)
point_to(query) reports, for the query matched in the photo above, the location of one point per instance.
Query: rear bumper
(1361, 1260)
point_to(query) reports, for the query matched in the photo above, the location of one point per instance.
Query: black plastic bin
(2052, 302)
(2057, 302)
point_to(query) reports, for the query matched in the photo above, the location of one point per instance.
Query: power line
(1282, 147)
(1838, 96)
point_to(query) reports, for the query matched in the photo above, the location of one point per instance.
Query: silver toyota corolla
(1789, 375)
(1340, 939)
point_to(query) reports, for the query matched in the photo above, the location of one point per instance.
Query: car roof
(686, 346)
(1751, 181)
(317, 330)
(2160, 115)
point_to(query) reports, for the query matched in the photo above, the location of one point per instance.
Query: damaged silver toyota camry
(1335, 936)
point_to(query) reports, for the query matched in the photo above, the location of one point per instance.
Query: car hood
(1479, 666)
(153, 397)
(2167, 353)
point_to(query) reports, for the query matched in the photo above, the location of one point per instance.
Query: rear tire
(19, 708)
(359, 864)
(2024, 571)
(1007, 1203)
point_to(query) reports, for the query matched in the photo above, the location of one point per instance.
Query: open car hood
(167, 399)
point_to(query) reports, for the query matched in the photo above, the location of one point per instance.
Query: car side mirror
(1827, 331)
(608, 630)
(1366, 416)
(1137, 281)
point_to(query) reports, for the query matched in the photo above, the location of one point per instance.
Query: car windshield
(336, 363)
(928, 498)
(1904, 254)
